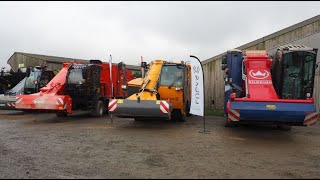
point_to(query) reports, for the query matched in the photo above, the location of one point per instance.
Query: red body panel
(259, 76)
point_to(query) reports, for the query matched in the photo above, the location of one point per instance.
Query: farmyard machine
(36, 78)
(78, 86)
(261, 90)
(164, 93)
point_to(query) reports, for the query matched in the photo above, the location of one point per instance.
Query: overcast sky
(128, 30)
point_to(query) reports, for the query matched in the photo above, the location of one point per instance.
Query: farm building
(304, 33)
(20, 60)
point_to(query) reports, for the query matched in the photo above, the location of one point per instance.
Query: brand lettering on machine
(38, 101)
(260, 82)
(196, 71)
(258, 74)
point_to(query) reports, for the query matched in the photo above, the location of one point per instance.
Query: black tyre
(188, 110)
(61, 114)
(139, 119)
(227, 123)
(284, 127)
(98, 111)
(183, 118)
(178, 116)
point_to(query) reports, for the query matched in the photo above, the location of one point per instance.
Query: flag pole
(142, 69)
(204, 109)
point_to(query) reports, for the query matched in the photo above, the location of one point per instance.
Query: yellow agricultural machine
(164, 93)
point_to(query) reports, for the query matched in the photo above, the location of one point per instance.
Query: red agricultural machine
(279, 91)
(78, 86)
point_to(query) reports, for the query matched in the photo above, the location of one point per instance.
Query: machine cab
(82, 79)
(174, 81)
(36, 78)
(293, 72)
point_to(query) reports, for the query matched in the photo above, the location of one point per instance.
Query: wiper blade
(175, 81)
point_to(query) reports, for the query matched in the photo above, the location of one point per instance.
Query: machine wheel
(229, 124)
(105, 108)
(284, 127)
(188, 110)
(61, 114)
(182, 118)
(178, 116)
(139, 119)
(98, 110)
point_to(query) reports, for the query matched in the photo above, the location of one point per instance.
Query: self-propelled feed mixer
(279, 91)
(164, 93)
(78, 86)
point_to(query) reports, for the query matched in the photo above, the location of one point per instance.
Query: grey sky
(128, 30)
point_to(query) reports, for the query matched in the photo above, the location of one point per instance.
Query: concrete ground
(44, 146)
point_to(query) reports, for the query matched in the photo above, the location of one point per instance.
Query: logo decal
(258, 74)
(269, 106)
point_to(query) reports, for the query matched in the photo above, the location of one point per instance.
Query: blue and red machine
(279, 91)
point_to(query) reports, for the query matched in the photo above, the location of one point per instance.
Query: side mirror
(84, 73)
(143, 64)
(223, 66)
(120, 65)
(317, 65)
(28, 71)
(224, 59)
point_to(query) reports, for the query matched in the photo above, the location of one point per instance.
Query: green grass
(214, 113)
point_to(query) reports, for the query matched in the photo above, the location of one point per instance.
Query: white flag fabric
(197, 96)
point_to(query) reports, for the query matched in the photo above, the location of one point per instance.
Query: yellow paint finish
(152, 76)
(136, 82)
(174, 96)
(144, 96)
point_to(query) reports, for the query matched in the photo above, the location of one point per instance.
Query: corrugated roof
(58, 59)
(268, 37)
(51, 58)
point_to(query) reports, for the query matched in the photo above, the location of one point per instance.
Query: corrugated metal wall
(308, 35)
(17, 59)
(214, 85)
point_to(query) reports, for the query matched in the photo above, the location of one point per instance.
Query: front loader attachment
(290, 112)
(140, 108)
(45, 103)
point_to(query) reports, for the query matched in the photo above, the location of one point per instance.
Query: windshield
(298, 73)
(171, 76)
(18, 88)
(32, 79)
(75, 76)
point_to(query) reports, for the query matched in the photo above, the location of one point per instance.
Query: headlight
(124, 86)
(178, 88)
(80, 82)
(308, 95)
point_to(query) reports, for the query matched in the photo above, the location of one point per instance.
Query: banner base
(204, 132)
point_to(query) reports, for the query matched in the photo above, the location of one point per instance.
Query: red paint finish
(258, 74)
